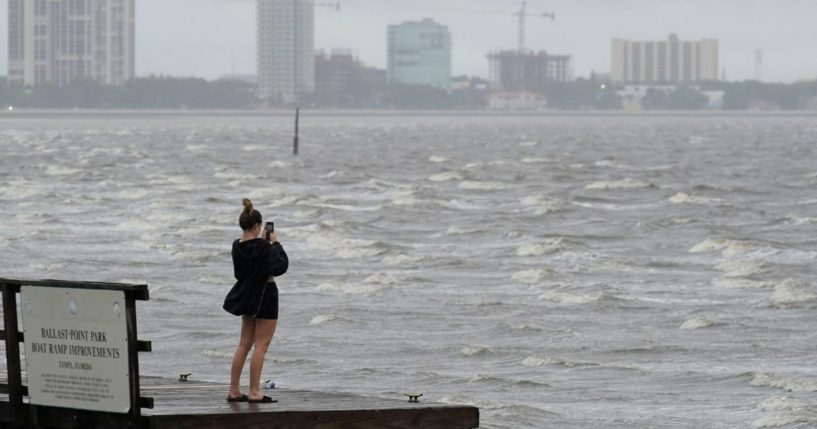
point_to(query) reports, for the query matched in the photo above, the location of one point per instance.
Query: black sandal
(264, 400)
(242, 398)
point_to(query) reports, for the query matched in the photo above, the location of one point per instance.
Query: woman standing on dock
(254, 297)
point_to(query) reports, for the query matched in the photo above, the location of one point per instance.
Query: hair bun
(247, 205)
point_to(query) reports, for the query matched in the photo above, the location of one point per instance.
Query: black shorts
(269, 303)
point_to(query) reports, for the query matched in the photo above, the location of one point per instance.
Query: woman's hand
(273, 237)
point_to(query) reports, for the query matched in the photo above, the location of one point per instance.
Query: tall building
(286, 45)
(420, 54)
(61, 40)
(670, 61)
(528, 71)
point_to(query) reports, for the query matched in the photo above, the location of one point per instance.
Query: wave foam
(445, 177)
(472, 351)
(536, 361)
(531, 276)
(791, 292)
(789, 384)
(539, 249)
(684, 198)
(697, 323)
(437, 159)
(742, 268)
(571, 298)
(726, 246)
(618, 184)
(476, 185)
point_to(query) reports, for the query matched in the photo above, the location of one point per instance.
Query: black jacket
(254, 261)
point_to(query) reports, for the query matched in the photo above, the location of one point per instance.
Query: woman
(256, 263)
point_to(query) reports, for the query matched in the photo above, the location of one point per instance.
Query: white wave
(476, 185)
(791, 292)
(447, 176)
(46, 267)
(535, 160)
(254, 147)
(737, 268)
(381, 279)
(471, 351)
(195, 147)
(306, 214)
(133, 194)
(354, 288)
(789, 384)
(401, 259)
(322, 319)
(407, 198)
(344, 247)
(684, 198)
(437, 159)
(775, 420)
(783, 403)
(531, 276)
(59, 170)
(278, 164)
(543, 205)
(697, 323)
(217, 353)
(728, 247)
(627, 183)
(733, 283)
(571, 298)
(528, 143)
(539, 249)
(460, 230)
(215, 280)
(536, 361)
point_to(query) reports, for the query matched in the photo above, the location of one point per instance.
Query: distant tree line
(155, 92)
(162, 92)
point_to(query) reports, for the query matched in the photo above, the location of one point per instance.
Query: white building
(286, 49)
(420, 54)
(61, 40)
(669, 61)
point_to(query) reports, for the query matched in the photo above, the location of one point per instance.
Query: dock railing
(76, 351)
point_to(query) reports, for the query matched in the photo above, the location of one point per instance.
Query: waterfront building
(527, 71)
(419, 53)
(286, 45)
(57, 41)
(670, 61)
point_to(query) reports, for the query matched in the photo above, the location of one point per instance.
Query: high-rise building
(528, 71)
(420, 54)
(61, 40)
(670, 61)
(286, 45)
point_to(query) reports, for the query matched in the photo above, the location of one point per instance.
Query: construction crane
(522, 15)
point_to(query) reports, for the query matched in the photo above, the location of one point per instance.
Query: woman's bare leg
(240, 355)
(264, 330)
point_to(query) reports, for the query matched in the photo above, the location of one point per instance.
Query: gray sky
(207, 38)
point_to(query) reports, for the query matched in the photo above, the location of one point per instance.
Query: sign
(76, 344)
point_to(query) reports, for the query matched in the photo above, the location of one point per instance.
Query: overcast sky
(210, 38)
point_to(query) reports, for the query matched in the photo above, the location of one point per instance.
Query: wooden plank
(13, 366)
(20, 336)
(133, 361)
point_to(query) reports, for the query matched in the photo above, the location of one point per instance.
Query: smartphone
(270, 226)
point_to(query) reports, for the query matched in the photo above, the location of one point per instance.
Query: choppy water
(573, 272)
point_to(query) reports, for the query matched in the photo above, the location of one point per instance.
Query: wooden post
(297, 123)
(133, 361)
(13, 354)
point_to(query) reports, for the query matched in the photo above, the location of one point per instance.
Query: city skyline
(221, 37)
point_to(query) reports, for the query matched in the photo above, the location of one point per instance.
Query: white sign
(76, 345)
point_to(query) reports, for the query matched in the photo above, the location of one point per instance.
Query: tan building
(61, 40)
(286, 50)
(670, 61)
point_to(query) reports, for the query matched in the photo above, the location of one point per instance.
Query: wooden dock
(65, 400)
(202, 405)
